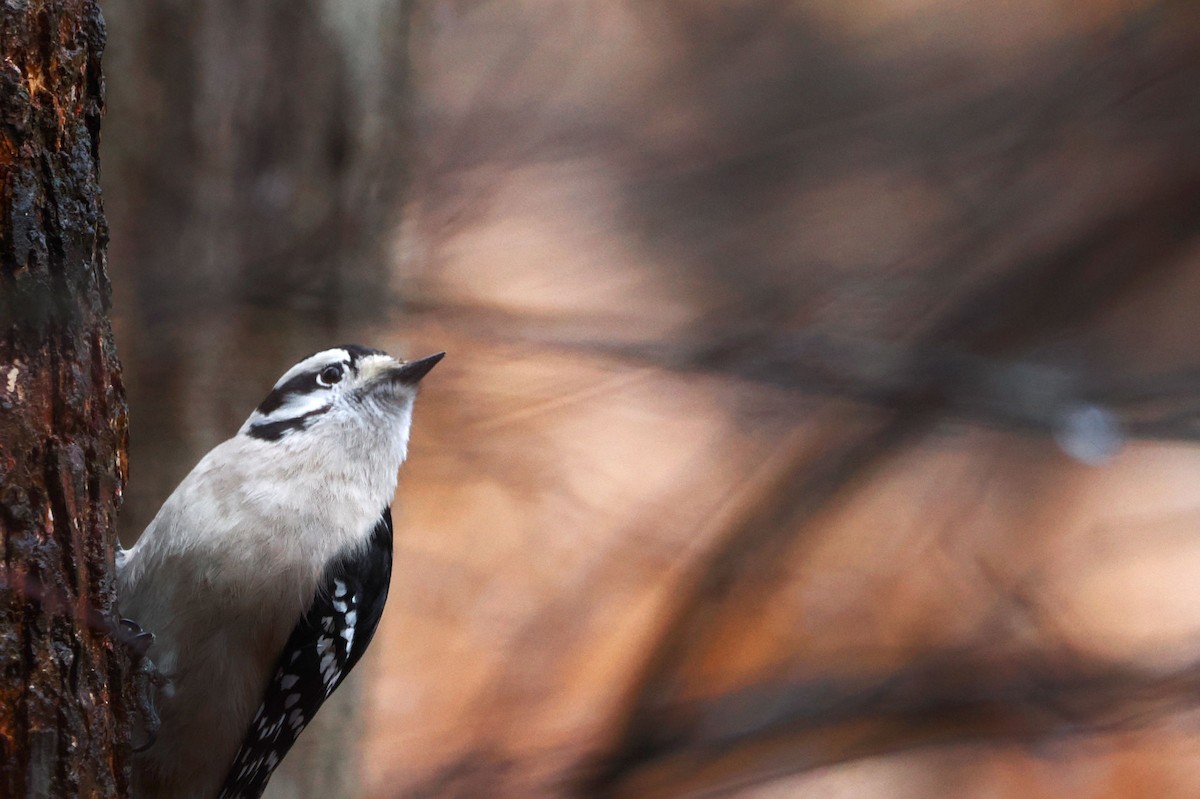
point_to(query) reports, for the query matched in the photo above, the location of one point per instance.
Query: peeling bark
(62, 415)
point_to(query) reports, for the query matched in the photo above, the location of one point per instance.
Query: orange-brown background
(686, 257)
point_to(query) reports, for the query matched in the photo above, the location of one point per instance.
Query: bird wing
(322, 649)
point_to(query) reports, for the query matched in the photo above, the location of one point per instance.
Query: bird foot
(147, 679)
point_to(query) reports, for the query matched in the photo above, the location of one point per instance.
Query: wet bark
(62, 415)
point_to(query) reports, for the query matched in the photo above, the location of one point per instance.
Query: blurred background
(822, 384)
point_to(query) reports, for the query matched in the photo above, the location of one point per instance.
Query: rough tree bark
(62, 415)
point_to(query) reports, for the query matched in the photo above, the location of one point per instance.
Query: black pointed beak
(411, 373)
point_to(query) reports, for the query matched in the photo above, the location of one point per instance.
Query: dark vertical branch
(256, 163)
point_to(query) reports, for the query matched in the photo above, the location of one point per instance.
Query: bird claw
(135, 639)
(147, 679)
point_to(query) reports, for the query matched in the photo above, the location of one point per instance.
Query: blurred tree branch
(1000, 312)
(770, 730)
(950, 371)
(983, 359)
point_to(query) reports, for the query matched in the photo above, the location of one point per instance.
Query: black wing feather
(324, 646)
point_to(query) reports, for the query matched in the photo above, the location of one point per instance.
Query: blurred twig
(754, 540)
(771, 730)
(1029, 303)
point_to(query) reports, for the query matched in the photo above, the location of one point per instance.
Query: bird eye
(330, 375)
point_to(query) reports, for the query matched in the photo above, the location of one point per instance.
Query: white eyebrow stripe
(297, 405)
(313, 363)
(294, 407)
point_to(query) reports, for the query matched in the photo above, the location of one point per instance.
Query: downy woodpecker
(264, 574)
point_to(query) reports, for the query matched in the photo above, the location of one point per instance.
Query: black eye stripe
(273, 431)
(306, 382)
(303, 383)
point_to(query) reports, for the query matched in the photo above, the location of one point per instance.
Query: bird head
(347, 387)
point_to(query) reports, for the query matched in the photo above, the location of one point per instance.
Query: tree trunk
(62, 415)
